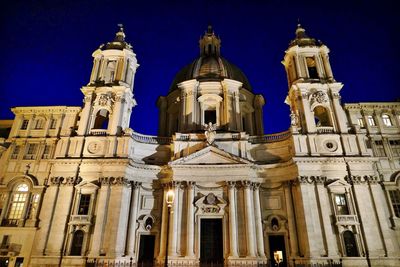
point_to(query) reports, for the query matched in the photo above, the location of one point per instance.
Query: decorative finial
(121, 27)
(210, 29)
(120, 35)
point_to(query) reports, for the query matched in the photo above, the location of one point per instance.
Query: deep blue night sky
(47, 45)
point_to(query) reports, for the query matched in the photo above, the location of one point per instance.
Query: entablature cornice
(321, 160)
(373, 105)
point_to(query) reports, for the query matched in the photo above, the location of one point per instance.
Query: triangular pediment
(337, 185)
(210, 156)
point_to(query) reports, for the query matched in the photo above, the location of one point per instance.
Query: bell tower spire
(109, 96)
(314, 95)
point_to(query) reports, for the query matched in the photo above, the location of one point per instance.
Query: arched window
(110, 71)
(77, 242)
(101, 121)
(386, 120)
(322, 117)
(350, 244)
(18, 205)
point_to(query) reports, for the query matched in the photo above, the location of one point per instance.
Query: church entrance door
(146, 250)
(211, 245)
(277, 250)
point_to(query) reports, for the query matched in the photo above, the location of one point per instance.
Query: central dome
(210, 66)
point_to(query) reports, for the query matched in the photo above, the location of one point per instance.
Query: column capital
(135, 184)
(247, 184)
(256, 186)
(354, 179)
(114, 181)
(172, 184)
(372, 179)
(231, 184)
(190, 184)
(69, 181)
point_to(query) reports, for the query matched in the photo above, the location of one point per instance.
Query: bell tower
(109, 96)
(314, 95)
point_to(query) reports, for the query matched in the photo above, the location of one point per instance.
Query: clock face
(94, 147)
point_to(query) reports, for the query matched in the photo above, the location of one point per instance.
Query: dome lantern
(210, 44)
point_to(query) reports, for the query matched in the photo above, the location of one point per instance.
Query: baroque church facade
(78, 187)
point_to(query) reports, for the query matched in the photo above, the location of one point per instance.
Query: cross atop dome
(302, 39)
(120, 35)
(119, 42)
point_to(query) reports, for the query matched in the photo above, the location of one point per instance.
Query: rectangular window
(312, 68)
(84, 203)
(24, 124)
(361, 122)
(33, 206)
(379, 149)
(39, 124)
(210, 116)
(341, 204)
(386, 120)
(395, 146)
(371, 120)
(5, 242)
(46, 152)
(53, 123)
(15, 152)
(31, 151)
(395, 199)
(17, 206)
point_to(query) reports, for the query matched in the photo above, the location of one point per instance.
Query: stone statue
(294, 120)
(210, 132)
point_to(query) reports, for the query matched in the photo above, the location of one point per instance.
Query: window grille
(24, 124)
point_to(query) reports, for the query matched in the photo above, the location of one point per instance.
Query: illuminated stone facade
(79, 187)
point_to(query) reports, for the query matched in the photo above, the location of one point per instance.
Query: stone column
(326, 215)
(368, 227)
(164, 223)
(173, 226)
(233, 237)
(249, 219)
(133, 219)
(61, 217)
(258, 223)
(117, 219)
(101, 218)
(291, 220)
(84, 120)
(46, 216)
(309, 118)
(116, 114)
(190, 220)
(341, 118)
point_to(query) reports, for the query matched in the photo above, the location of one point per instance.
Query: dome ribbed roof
(210, 66)
(210, 69)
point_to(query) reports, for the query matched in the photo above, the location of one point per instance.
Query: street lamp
(169, 199)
